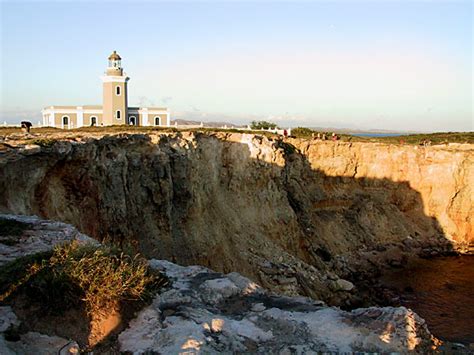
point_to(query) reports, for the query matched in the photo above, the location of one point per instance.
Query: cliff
(297, 216)
(441, 175)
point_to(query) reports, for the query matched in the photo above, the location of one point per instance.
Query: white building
(115, 109)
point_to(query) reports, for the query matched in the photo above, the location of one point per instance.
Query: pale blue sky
(360, 64)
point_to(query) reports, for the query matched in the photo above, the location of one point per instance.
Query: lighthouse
(114, 84)
(114, 110)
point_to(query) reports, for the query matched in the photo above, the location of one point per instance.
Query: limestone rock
(41, 236)
(342, 285)
(41, 344)
(31, 149)
(220, 315)
(7, 318)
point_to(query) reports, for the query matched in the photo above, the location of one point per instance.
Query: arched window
(118, 115)
(132, 120)
(66, 121)
(157, 121)
(93, 121)
(117, 90)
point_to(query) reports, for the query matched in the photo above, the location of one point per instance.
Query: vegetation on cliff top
(414, 139)
(262, 125)
(47, 136)
(433, 138)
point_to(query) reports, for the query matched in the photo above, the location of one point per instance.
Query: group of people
(325, 136)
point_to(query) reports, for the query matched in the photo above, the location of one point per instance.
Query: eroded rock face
(208, 312)
(295, 218)
(440, 175)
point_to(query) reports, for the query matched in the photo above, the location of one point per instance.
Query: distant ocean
(377, 134)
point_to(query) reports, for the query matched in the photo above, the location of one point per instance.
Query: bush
(262, 125)
(99, 277)
(302, 132)
(44, 142)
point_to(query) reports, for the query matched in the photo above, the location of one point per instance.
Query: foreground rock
(39, 236)
(208, 312)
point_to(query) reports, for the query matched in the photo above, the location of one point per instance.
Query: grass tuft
(44, 142)
(73, 275)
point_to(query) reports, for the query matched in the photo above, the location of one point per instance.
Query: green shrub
(302, 132)
(262, 125)
(44, 142)
(97, 277)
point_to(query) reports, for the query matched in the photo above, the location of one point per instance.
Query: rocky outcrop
(207, 312)
(294, 216)
(40, 236)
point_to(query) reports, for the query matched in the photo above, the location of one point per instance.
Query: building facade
(114, 109)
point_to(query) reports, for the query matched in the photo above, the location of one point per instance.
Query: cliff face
(286, 214)
(441, 176)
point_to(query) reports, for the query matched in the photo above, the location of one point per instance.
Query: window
(117, 90)
(65, 121)
(93, 121)
(118, 114)
(157, 120)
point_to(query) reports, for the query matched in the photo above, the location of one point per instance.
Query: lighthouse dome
(114, 56)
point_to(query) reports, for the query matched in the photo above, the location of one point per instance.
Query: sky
(394, 65)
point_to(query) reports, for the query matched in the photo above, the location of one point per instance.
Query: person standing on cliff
(26, 126)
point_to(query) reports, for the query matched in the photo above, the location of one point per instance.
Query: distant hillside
(207, 124)
(357, 131)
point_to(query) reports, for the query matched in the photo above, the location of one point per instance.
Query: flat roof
(74, 107)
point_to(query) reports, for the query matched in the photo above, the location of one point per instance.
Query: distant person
(285, 133)
(26, 126)
(425, 142)
(334, 137)
(318, 136)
